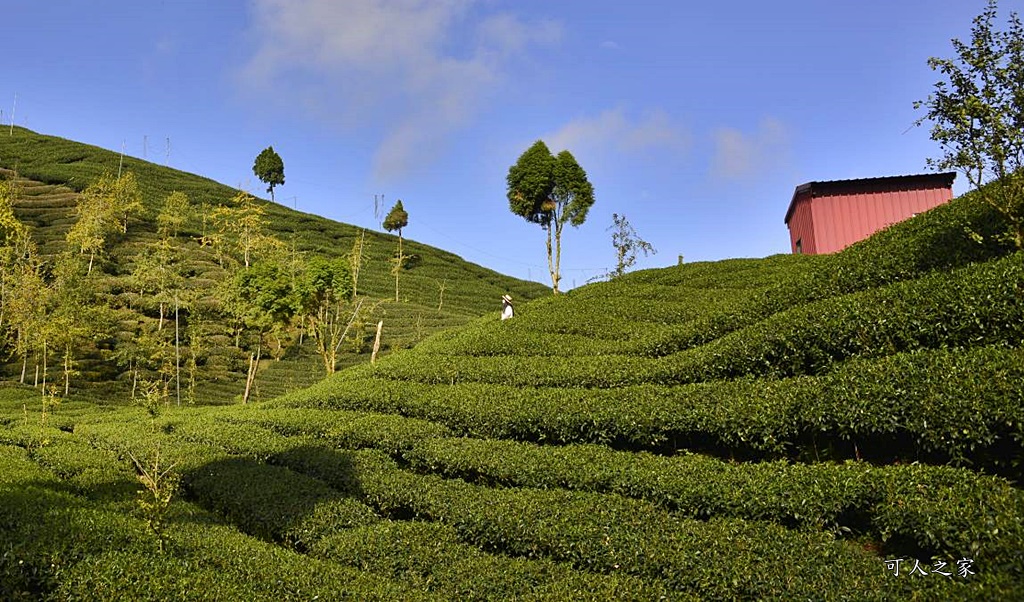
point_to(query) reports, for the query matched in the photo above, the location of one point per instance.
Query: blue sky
(694, 119)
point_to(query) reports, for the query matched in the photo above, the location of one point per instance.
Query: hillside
(772, 429)
(437, 289)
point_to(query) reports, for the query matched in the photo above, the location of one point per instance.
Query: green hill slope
(437, 289)
(845, 427)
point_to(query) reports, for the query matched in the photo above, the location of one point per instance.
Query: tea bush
(961, 405)
(274, 503)
(610, 534)
(843, 498)
(431, 557)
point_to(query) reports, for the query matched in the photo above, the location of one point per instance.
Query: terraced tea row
(948, 405)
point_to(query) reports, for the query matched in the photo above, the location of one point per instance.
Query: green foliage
(397, 218)
(269, 168)
(174, 215)
(976, 114)
(242, 230)
(550, 191)
(530, 182)
(13, 233)
(430, 556)
(275, 503)
(844, 498)
(954, 405)
(104, 209)
(610, 534)
(266, 293)
(160, 483)
(627, 244)
(718, 430)
(327, 305)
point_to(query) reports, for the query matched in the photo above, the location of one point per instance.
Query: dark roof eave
(945, 178)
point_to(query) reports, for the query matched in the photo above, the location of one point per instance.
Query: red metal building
(825, 217)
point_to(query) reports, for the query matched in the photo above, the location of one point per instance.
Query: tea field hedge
(846, 427)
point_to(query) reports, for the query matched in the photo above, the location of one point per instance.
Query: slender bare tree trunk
(177, 354)
(551, 265)
(253, 367)
(67, 370)
(376, 342)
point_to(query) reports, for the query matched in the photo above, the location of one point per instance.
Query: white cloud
(404, 66)
(613, 130)
(740, 155)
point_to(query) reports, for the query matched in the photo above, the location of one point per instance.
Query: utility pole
(378, 209)
(14, 108)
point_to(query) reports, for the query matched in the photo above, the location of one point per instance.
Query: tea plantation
(438, 289)
(846, 427)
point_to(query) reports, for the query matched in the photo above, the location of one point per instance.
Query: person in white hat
(506, 307)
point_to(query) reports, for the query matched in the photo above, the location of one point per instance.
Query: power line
(489, 254)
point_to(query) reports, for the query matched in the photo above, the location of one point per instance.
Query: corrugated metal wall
(801, 226)
(845, 218)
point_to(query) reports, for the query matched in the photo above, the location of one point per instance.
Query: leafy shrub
(843, 498)
(610, 534)
(431, 557)
(272, 502)
(947, 404)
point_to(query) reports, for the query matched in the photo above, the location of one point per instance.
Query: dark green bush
(273, 502)
(431, 557)
(610, 534)
(849, 498)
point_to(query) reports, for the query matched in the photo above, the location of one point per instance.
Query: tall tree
(15, 244)
(26, 310)
(328, 305)
(550, 191)
(126, 199)
(242, 228)
(269, 168)
(977, 115)
(397, 219)
(104, 209)
(264, 301)
(174, 214)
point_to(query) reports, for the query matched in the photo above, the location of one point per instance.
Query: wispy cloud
(614, 130)
(405, 66)
(741, 155)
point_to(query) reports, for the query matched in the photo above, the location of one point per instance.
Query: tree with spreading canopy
(174, 215)
(550, 191)
(977, 116)
(327, 304)
(242, 230)
(263, 299)
(269, 168)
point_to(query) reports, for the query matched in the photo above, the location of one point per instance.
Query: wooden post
(376, 342)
